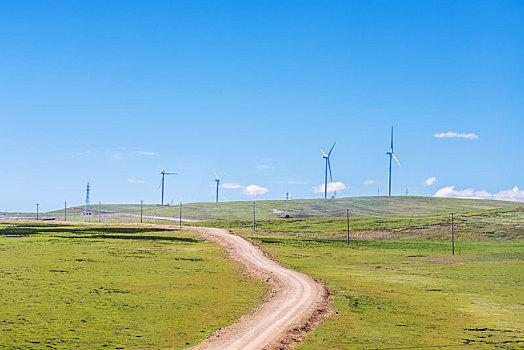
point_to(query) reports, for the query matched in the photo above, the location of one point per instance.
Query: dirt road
(297, 303)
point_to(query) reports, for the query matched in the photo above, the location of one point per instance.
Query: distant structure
(391, 155)
(164, 173)
(287, 205)
(87, 208)
(328, 165)
(217, 179)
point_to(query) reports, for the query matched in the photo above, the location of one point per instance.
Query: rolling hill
(302, 208)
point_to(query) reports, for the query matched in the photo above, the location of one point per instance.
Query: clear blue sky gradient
(254, 89)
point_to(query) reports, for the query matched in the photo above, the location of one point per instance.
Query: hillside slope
(358, 206)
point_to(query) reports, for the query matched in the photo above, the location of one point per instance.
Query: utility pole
(141, 205)
(37, 205)
(65, 211)
(254, 227)
(180, 214)
(452, 236)
(347, 219)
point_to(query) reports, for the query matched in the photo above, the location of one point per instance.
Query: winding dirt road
(297, 303)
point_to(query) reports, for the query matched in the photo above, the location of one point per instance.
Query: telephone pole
(452, 236)
(347, 219)
(254, 227)
(180, 214)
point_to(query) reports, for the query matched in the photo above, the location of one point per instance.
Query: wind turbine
(164, 173)
(391, 154)
(328, 165)
(217, 179)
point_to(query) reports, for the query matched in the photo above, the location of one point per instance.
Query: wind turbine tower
(391, 155)
(87, 209)
(328, 166)
(217, 179)
(164, 173)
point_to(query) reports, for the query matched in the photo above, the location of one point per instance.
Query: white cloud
(251, 190)
(513, 194)
(116, 156)
(331, 187)
(369, 182)
(263, 166)
(430, 181)
(142, 153)
(254, 190)
(134, 181)
(231, 185)
(298, 182)
(451, 134)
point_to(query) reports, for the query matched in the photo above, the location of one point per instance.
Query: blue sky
(112, 92)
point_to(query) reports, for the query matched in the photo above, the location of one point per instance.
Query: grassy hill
(304, 208)
(479, 225)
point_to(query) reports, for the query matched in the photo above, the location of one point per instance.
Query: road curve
(297, 302)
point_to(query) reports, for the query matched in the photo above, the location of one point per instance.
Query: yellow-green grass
(412, 294)
(359, 206)
(494, 224)
(116, 287)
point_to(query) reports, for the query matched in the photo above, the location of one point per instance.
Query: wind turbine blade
(171, 173)
(393, 154)
(392, 139)
(331, 150)
(216, 175)
(324, 153)
(329, 166)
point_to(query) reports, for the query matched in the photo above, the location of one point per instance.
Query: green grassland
(396, 286)
(494, 224)
(116, 287)
(300, 208)
(412, 294)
